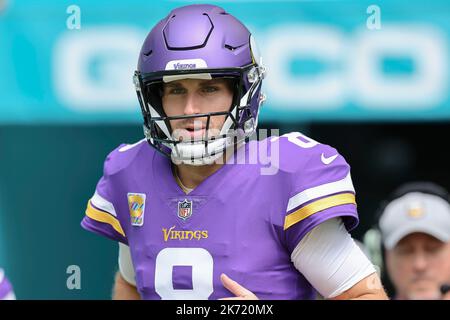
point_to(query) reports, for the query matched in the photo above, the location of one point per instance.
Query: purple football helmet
(199, 42)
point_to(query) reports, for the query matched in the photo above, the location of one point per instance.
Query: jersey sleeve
(101, 215)
(6, 290)
(321, 189)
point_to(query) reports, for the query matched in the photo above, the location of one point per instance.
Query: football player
(6, 290)
(194, 216)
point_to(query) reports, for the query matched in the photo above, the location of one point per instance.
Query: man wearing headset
(415, 230)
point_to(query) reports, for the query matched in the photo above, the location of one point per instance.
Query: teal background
(31, 32)
(45, 183)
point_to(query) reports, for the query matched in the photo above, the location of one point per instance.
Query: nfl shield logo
(136, 205)
(184, 209)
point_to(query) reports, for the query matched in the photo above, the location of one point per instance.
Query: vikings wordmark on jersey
(238, 221)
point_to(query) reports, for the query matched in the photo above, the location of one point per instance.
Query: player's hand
(239, 291)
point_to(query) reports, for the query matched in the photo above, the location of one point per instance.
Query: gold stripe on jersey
(317, 206)
(104, 217)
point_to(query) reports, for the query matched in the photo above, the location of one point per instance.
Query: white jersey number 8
(202, 273)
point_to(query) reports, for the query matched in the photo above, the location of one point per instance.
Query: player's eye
(176, 91)
(210, 89)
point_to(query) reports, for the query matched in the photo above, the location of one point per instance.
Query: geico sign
(356, 75)
(93, 68)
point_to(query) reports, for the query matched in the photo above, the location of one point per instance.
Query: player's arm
(125, 283)
(335, 265)
(103, 218)
(124, 290)
(332, 262)
(369, 288)
(321, 212)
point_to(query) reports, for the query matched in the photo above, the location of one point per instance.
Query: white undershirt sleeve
(126, 264)
(330, 260)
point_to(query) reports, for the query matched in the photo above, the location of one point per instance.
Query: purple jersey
(238, 221)
(6, 291)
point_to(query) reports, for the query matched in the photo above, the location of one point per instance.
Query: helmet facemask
(240, 122)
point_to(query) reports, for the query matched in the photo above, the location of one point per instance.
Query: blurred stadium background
(380, 96)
